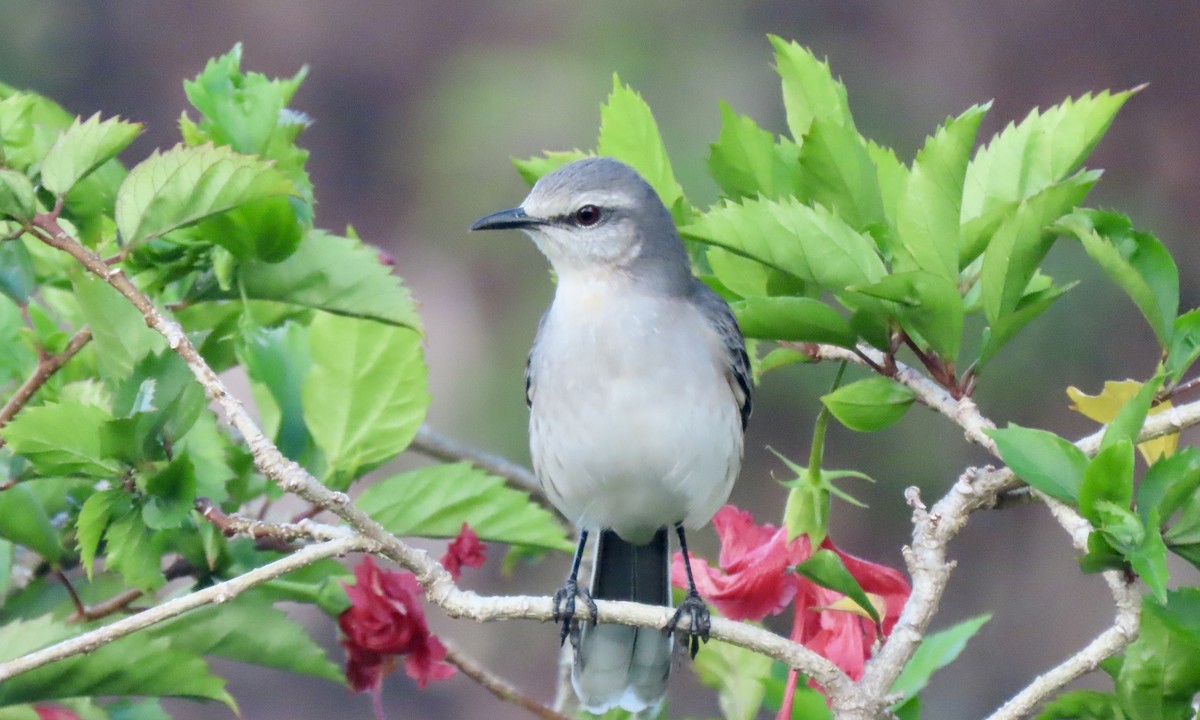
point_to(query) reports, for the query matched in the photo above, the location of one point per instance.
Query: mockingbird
(638, 388)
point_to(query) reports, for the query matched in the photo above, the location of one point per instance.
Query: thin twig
(436, 445)
(219, 593)
(497, 686)
(46, 367)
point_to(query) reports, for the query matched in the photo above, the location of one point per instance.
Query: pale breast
(633, 424)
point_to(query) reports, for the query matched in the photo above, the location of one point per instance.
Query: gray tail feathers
(616, 665)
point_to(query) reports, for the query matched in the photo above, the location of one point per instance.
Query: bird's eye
(587, 216)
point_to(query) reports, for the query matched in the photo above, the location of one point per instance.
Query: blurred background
(419, 106)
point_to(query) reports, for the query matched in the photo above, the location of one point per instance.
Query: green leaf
(82, 148)
(737, 676)
(119, 331)
(928, 214)
(1185, 345)
(1041, 151)
(869, 405)
(23, 520)
(1168, 483)
(808, 703)
(826, 569)
(629, 133)
(93, 520)
(435, 501)
(936, 651)
(809, 88)
(17, 199)
(136, 664)
(1042, 459)
(892, 176)
(1108, 477)
(326, 272)
(183, 185)
(1031, 305)
(277, 361)
(1083, 705)
(1149, 560)
(155, 406)
(267, 229)
(250, 630)
(17, 278)
(61, 439)
(1021, 241)
(839, 174)
(366, 394)
(130, 710)
(927, 305)
(1135, 261)
(792, 318)
(1161, 673)
(131, 551)
(171, 493)
(534, 168)
(1127, 425)
(811, 243)
(747, 161)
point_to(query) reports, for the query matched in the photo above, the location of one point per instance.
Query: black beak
(505, 220)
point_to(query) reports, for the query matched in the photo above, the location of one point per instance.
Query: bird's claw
(564, 610)
(699, 621)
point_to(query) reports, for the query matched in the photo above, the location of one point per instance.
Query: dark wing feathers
(717, 311)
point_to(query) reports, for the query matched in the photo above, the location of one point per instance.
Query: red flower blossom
(385, 620)
(54, 712)
(464, 551)
(754, 578)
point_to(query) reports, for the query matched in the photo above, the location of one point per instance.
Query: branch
(439, 586)
(46, 367)
(219, 593)
(497, 686)
(432, 443)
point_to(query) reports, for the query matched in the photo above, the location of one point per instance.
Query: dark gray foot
(564, 608)
(699, 625)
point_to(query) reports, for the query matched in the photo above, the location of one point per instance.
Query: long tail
(616, 665)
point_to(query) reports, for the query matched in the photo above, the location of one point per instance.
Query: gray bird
(638, 388)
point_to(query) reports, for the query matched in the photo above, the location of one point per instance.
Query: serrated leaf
(532, 169)
(131, 551)
(252, 631)
(792, 318)
(170, 494)
(1116, 395)
(93, 520)
(928, 215)
(1040, 151)
(747, 161)
(267, 229)
(119, 331)
(61, 439)
(927, 305)
(277, 361)
(136, 664)
(82, 148)
(809, 88)
(326, 272)
(1137, 262)
(629, 133)
(737, 676)
(1021, 241)
(892, 177)
(839, 174)
(1042, 459)
(826, 569)
(23, 520)
(366, 394)
(936, 651)
(435, 501)
(811, 243)
(17, 199)
(1031, 305)
(869, 405)
(184, 185)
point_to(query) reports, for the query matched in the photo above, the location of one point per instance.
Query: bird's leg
(564, 599)
(699, 619)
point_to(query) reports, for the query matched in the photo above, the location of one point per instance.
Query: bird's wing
(737, 362)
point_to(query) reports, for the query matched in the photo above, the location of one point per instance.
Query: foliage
(115, 468)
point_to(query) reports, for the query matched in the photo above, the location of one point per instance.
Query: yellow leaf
(1104, 407)
(845, 604)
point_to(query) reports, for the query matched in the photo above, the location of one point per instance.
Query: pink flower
(754, 579)
(385, 620)
(54, 712)
(464, 551)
